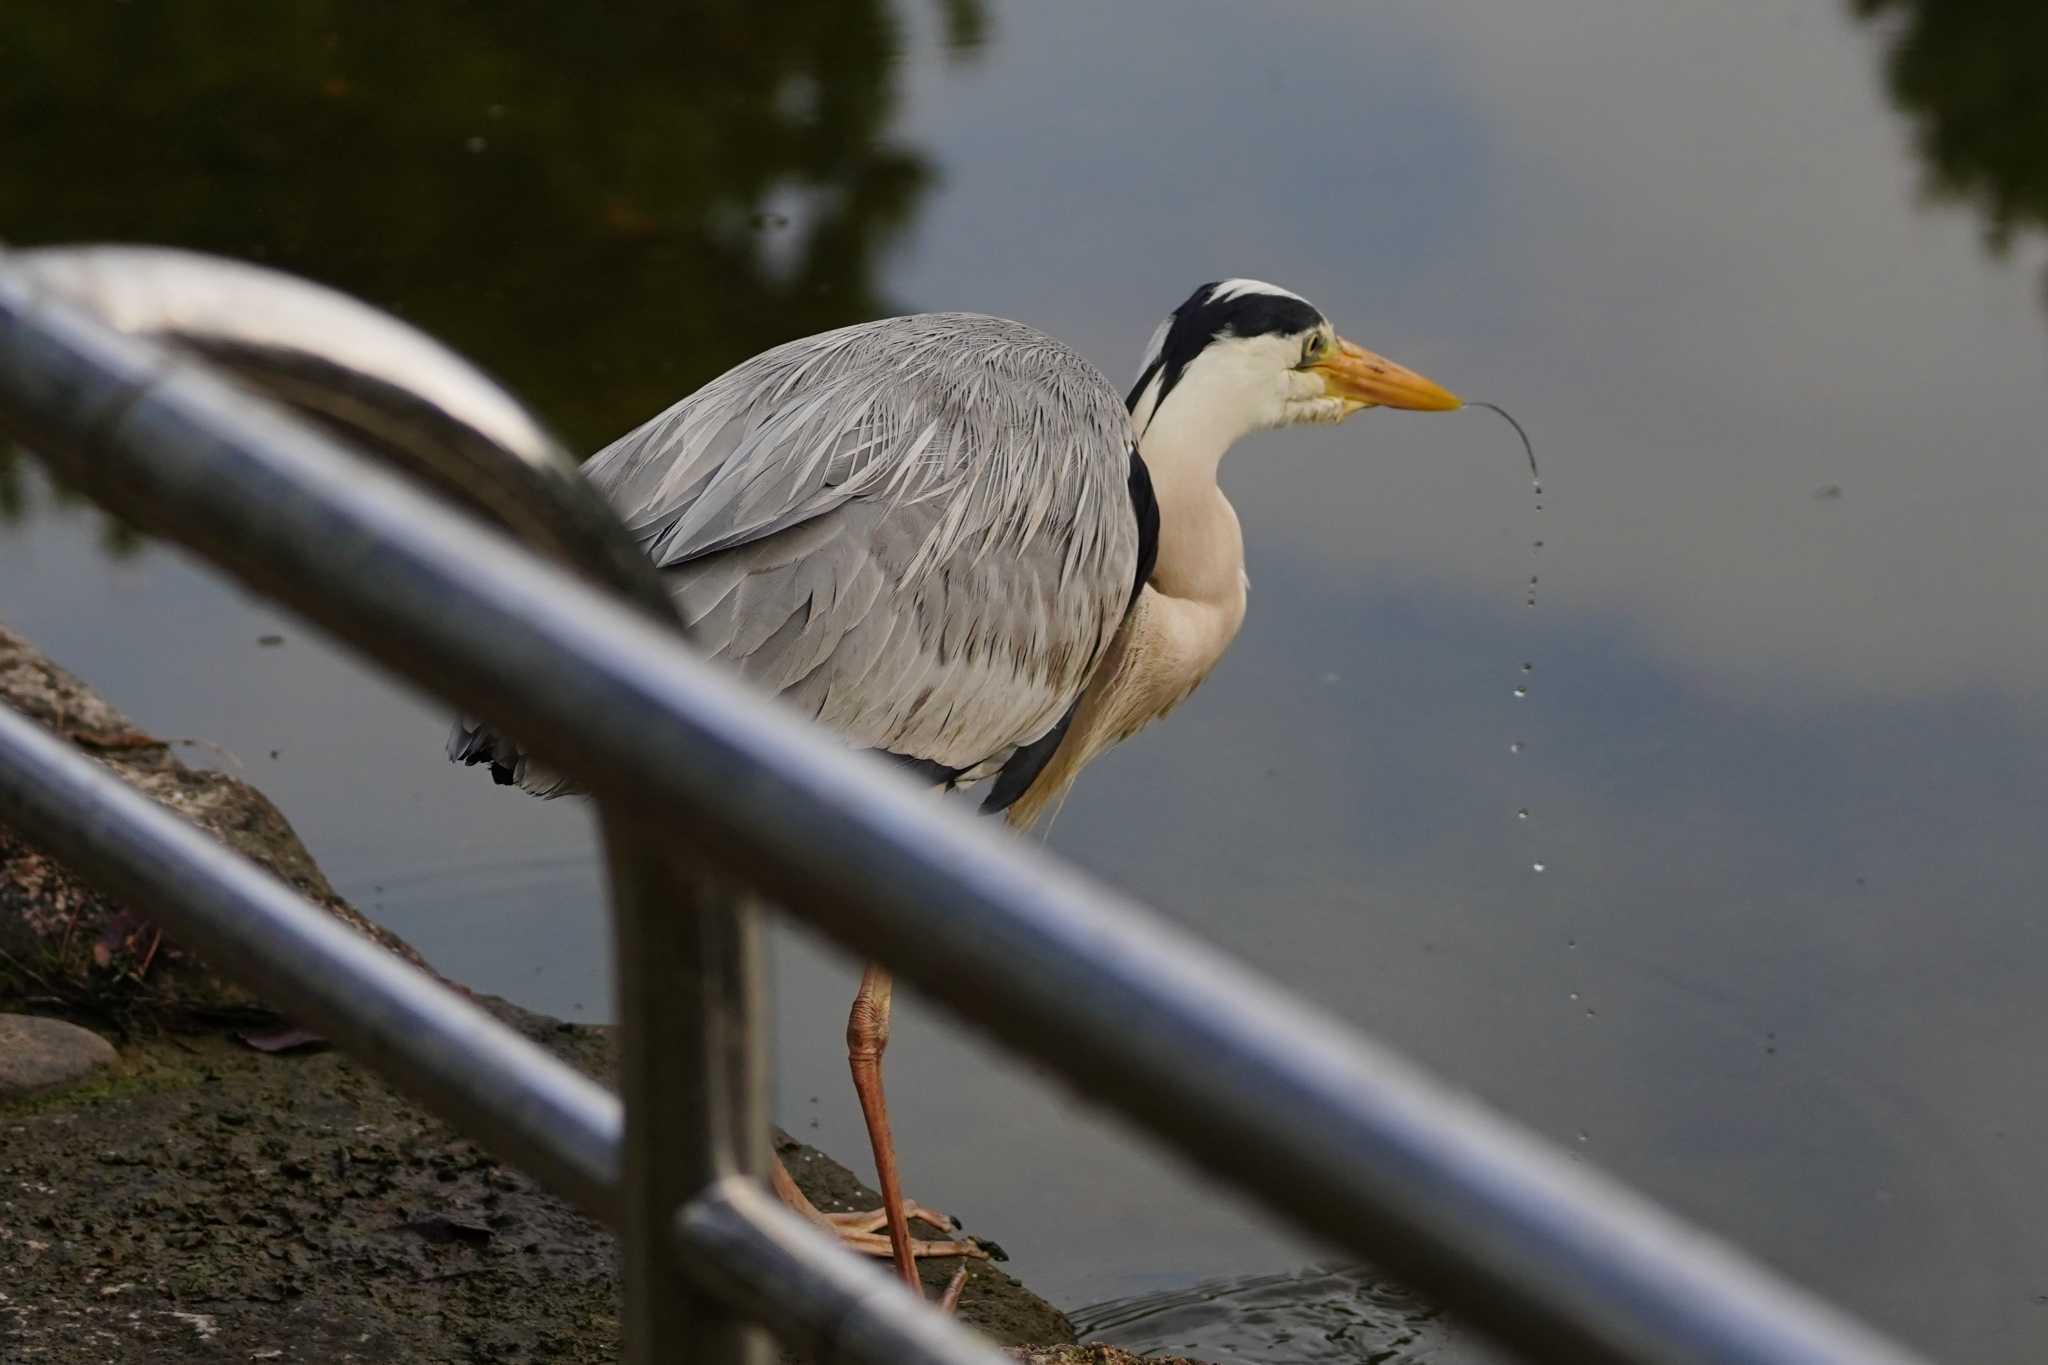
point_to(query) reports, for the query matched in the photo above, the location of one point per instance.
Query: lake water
(1784, 748)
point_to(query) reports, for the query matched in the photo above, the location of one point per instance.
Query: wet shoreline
(202, 1198)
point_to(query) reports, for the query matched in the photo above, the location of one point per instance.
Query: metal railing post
(686, 961)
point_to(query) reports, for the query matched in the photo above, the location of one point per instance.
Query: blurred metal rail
(1319, 1124)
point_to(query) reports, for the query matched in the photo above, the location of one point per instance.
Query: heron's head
(1242, 356)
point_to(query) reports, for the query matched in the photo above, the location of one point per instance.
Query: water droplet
(1528, 668)
(475, 145)
(1539, 544)
(1533, 580)
(1521, 691)
(1585, 1136)
(1575, 995)
(1572, 943)
(1514, 746)
(1536, 867)
(1522, 814)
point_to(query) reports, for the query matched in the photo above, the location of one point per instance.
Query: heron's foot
(861, 1230)
(877, 1243)
(874, 1220)
(950, 1300)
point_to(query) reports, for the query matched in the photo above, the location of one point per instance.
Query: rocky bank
(170, 1192)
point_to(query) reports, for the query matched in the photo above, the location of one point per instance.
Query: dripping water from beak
(1535, 475)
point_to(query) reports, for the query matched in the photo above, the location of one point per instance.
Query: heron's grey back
(918, 531)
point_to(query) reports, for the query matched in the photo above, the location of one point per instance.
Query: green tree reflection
(603, 206)
(1973, 75)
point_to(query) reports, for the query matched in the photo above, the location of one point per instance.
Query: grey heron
(948, 539)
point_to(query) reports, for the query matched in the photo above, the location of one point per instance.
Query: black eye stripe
(1203, 318)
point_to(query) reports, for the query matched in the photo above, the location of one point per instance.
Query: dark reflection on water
(1974, 77)
(1322, 1313)
(602, 211)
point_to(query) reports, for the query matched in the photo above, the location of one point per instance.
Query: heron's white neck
(1201, 554)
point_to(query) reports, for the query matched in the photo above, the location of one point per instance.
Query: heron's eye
(1313, 348)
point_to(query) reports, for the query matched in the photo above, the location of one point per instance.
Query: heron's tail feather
(471, 742)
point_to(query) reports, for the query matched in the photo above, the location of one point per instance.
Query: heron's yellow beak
(1365, 380)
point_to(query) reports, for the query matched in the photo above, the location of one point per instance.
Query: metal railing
(111, 370)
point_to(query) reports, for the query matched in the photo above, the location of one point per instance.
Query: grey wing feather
(917, 531)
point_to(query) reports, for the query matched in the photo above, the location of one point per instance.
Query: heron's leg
(867, 1036)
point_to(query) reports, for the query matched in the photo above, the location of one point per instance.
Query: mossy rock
(204, 1201)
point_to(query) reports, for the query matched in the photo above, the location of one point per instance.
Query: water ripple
(1320, 1313)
